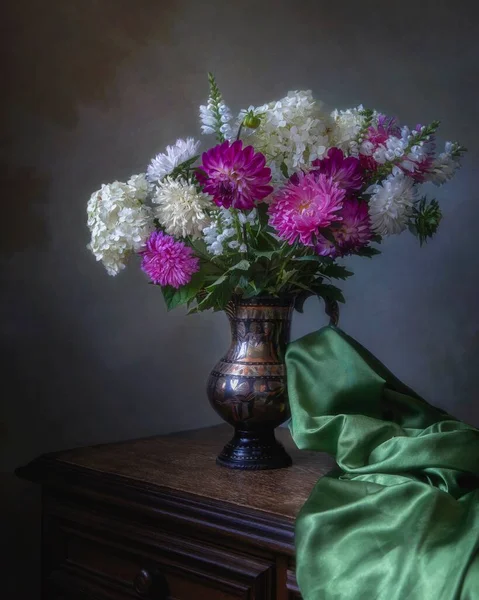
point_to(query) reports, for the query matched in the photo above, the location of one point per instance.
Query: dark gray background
(93, 89)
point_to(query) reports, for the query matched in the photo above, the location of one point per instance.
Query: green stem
(240, 129)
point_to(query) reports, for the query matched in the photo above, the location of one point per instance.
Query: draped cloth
(399, 518)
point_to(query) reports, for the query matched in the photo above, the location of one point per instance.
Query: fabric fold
(399, 519)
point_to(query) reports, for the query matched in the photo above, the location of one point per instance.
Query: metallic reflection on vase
(247, 387)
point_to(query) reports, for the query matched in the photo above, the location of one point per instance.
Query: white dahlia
(164, 163)
(293, 131)
(119, 223)
(391, 203)
(182, 210)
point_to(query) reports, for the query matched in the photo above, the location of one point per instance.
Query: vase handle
(331, 308)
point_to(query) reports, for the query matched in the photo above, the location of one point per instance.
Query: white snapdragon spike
(445, 166)
(391, 203)
(181, 209)
(293, 130)
(221, 233)
(164, 163)
(119, 223)
(391, 150)
(209, 120)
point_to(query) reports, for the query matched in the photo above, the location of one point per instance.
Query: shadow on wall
(25, 193)
(63, 54)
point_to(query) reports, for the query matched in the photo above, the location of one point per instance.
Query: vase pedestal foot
(254, 450)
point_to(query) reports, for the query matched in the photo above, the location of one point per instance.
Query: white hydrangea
(221, 232)
(119, 222)
(181, 210)
(293, 130)
(209, 121)
(140, 187)
(346, 126)
(445, 166)
(164, 163)
(391, 203)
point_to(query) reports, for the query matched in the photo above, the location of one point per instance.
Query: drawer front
(88, 562)
(292, 586)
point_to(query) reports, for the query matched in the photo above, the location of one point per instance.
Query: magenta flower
(168, 262)
(304, 206)
(377, 134)
(352, 233)
(346, 172)
(235, 176)
(384, 128)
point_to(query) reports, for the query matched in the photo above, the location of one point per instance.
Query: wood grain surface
(186, 462)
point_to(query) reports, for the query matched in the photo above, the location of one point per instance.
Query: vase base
(252, 450)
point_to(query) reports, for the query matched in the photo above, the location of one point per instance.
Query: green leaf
(314, 258)
(301, 299)
(330, 292)
(175, 297)
(284, 169)
(286, 275)
(336, 271)
(368, 251)
(218, 281)
(182, 169)
(218, 297)
(243, 265)
(265, 253)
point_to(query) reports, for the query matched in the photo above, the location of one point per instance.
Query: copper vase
(247, 387)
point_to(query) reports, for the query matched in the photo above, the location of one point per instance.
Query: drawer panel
(292, 585)
(107, 563)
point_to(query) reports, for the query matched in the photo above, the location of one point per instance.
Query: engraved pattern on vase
(247, 387)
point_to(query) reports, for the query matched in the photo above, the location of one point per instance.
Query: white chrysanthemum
(210, 122)
(445, 166)
(346, 126)
(391, 203)
(221, 232)
(182, 210)
(293, 130)
(119, 224)
(164, 163)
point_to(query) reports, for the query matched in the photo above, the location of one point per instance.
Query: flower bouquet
(256, 224)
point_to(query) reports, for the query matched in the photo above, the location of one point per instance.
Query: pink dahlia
(168, 262)
(235, 176)
(304, 206)
(353, 232)
(346, 172)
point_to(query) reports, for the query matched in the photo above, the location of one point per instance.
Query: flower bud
(251, 120)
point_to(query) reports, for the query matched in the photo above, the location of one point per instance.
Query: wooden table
(157, 518)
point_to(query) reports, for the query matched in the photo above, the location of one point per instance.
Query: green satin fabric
(399, 519)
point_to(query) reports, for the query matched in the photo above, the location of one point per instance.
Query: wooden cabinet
(157, 518)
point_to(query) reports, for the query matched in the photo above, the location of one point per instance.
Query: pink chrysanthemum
(168, 262)
(353, 232)
(304, 206)
(235, 176)
(346, 172)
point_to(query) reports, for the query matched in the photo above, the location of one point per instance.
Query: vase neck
(260, 329)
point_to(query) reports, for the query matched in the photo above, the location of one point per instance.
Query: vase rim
(285, 300)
